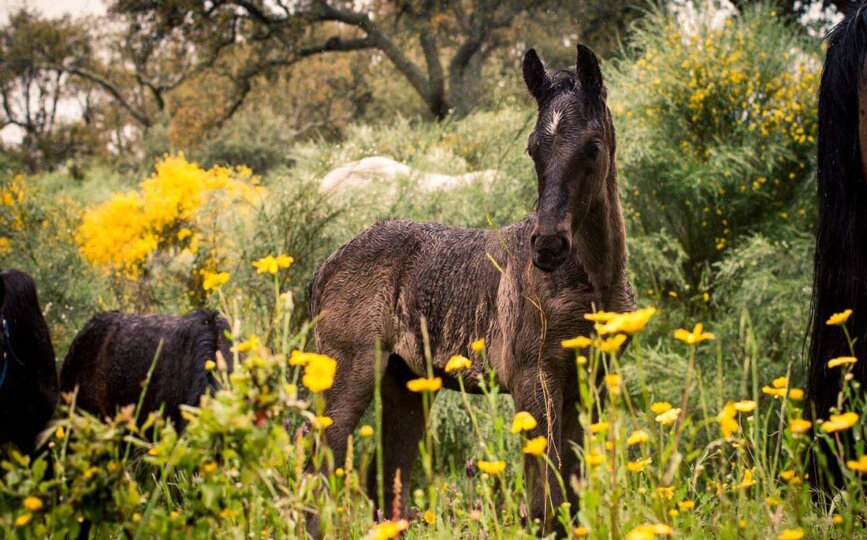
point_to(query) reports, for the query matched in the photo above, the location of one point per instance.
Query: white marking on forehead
(556, 115)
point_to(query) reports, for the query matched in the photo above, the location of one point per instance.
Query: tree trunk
(465, 85)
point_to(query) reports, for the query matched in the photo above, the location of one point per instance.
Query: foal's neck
(600, 242)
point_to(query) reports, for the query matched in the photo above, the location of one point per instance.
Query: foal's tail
(840, 271)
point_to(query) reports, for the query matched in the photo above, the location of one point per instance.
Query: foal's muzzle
(549, 250)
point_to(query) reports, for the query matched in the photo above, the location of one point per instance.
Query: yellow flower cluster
(175, 207)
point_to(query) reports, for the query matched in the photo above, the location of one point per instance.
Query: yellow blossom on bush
(366, 431)
(747, 481)
(745, 406)
(637, 437)
(594, 458)
(839, 318)
(696, 336)
(425, 384)
(478, 345)
(840, 422)
(319, 373)
(457, 363)
(23, 519)
(536, 446)
(599, 427)
(611, 344)
(727, 419)
(266, 265)
(665, 492)
(491, 467)
(842, 361)
(796, 394)
(523, 421)
(247, 346)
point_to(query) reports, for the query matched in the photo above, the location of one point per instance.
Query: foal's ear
(587, 68)
(535, 76)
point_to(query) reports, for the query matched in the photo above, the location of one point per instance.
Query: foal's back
(110, 358)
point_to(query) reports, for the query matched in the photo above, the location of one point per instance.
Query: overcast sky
(53, 8)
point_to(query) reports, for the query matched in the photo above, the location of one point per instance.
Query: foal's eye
(593, 149)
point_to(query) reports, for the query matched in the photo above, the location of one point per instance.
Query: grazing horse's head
(572, 147)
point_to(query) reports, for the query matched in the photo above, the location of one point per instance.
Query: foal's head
(573, 149)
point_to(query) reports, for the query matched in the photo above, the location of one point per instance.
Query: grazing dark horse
(840, 272)
(110, 358)
(28, 376)
(557, 264)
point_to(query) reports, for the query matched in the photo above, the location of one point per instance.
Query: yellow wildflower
(791, 534)
(668, 417)
(319, 373)
(457, 363)
(33, 504)
(339, 472)
(23, 519)
(214, 280)
(840, 422)
(858, 466)
(579, 342)
(796, 394)
(695, 337)
(776, 392)
(478, 345)
(600, 316)
(630, 323)
(580, 532)
(599, 427)
(637, 437)
(59, 433)
(388, 529)
(322, 422)
(425, 384)
(686, 505)
(430, 518)
(594, 458)
(523, 421)
(491, 467)
(649, 531)
(780, 382)
(747, 481)
(284, 261)
(209, 467)
(837, 519)
(727, 419)
(210, 365)
(842, 361)
(638, 465)
(665, 492)
(267, 265)
(799, 426)
(839, 318)
(745, 406)
(613, 382)
(612, 344)
(660, 407)
(249, 345)
(536, 446)
(366, 431)
(790, 476)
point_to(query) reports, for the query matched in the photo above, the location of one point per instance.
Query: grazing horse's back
(110, 358)
(28, 375)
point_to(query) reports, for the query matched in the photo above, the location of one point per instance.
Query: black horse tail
(840, 271)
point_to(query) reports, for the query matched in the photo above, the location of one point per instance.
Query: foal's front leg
(541, 396)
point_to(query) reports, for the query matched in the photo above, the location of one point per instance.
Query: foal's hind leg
(403, 426)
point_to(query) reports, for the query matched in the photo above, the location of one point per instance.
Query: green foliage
(717, 117)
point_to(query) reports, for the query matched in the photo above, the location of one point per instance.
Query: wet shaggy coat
(28, 394)
(523, 288)
(109, 361)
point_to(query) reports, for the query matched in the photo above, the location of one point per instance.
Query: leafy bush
(717, 116)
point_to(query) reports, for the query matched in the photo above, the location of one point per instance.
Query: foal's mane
(840, 270)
